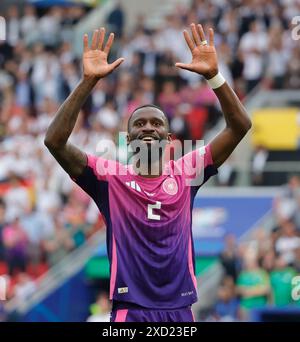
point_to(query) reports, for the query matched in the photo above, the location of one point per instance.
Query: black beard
(153, 155)
(149, 152)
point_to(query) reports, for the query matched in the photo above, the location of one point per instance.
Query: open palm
(95, 57)
(204, 55)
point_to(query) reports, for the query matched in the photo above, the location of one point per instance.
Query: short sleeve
(197, 167)
(94, 177)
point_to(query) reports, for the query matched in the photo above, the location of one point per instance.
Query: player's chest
(168, 189)
(132, 192)
(155, 201)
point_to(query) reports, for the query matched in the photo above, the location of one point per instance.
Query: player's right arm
(95, 67)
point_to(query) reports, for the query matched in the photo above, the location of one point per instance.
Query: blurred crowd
(260, 272)
(43, 215)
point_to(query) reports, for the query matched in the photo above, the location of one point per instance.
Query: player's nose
(148, 127)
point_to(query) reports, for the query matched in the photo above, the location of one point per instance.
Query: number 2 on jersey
(151, 215)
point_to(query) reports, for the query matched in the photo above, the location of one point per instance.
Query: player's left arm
(205, 63)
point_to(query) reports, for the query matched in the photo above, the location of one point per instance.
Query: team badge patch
(170, 186)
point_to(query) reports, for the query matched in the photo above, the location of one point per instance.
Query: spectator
(58, 245)
(229, 257)
(16, 199)
(293, 69)
(253, 46)
(13, 25)
(281, 282)
(116, 20)
(258, 164)
(169, 99)
(297, 259)
(268, 261)
(227, 305)
(287, 204)
(100, 310)
(29, 24)
(16, 247)
(253, 285)
(178, 124)
(277, 58)
(288, 242)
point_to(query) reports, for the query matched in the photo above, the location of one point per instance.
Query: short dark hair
(145, 106)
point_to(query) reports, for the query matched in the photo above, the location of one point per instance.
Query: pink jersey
(149, 227)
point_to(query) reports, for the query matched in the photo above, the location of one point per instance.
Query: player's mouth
(148, 138)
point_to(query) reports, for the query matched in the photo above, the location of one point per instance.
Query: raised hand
(204, 55)
(95, 57)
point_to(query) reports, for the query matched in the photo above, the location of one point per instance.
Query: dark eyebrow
(137, 120)
(153, 119)
(158, 119)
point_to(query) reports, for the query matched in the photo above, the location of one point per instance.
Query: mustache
(144, 135)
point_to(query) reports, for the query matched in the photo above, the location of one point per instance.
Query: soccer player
(148, 208)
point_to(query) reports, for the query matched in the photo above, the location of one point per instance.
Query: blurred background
(246, 221)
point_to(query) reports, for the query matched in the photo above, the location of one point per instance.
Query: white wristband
(216, 81)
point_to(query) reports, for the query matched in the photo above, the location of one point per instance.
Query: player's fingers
(188, 40)
(109, 43)
(94, 40)
(184, 66)
(201, 32)
(85, 42)
(195, 34)
(211, 37)
(116, 63)
(101, 38)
